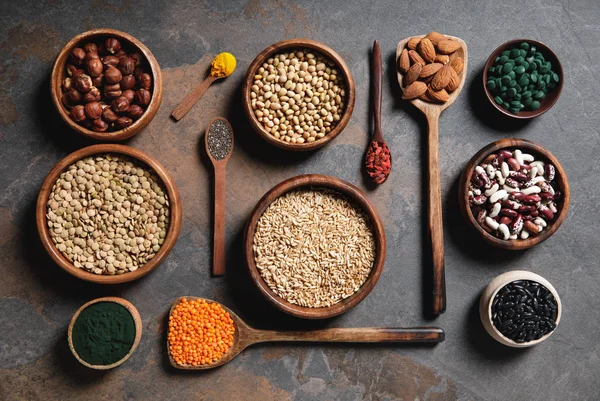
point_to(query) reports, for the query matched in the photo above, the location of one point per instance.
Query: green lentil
(520, 78)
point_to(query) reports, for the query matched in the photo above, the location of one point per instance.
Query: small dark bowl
(552, 95)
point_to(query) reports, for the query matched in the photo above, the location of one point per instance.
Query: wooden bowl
(552, 95)
(175, 215)
(355, 195)
(537, 150)
(59, 73)
(298, 44)
(138, 331)
(488, 295)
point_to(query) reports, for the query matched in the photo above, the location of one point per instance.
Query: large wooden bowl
(355, 195)
(138, 331)
(298, 44)
(536, 150)
(59, 73)
(172, 232)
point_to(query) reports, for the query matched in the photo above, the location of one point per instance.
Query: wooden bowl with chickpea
(298, 94)
(106, 85)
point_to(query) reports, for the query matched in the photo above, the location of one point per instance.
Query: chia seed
(219, 139)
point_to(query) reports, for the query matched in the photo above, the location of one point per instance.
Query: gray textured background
(37, 299)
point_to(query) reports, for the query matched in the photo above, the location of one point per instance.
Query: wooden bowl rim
(291, 44)
(490, 292)
(547, 103)
(353, 194)
(174, 203)
(508, 143)
(58, 73)
(135, 314)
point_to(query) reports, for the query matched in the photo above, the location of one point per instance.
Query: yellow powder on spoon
(223, 65)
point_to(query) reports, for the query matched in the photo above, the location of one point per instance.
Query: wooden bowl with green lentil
(108, 213)
(314, 256)
(298, 94)
(536, 78)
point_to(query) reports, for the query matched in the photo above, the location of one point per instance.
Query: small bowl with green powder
(104, 332)
(523, 78)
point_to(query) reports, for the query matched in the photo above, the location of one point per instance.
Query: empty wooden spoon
(245, 336)
(432, 112)
(218, 141)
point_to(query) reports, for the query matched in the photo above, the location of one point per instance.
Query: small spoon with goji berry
(379, 159)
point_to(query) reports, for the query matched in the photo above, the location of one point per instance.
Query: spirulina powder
(103, 333)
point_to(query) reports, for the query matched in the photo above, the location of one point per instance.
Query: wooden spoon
(432, 112)
(245, 336)
(219, 166)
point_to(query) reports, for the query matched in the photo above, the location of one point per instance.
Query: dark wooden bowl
(59, 73)
(172, 232)
(537, 150)
(298, 44)
(138, 331)
(354, 194)
(552, 95)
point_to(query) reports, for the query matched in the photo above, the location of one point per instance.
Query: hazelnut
(137, 58)
(112, 91)
(135, 111)
(129, 94)
(109, 116)
(126, 65)
(67, 102)
(90, 48)
(93, 110)
(142, 97)
(94, 67)
(92, 55)
(112, 75)
(123, 122)
(77, 56)
(73, 71)
(74, 95)
(99, 125)
(66, 84)
(120, 104)
(87, 123)
(137, 73)
(128, 82)
(78, 113)
(145, 81)
(97, 81)
(110, 60)
(83, 83)
(120, 54)
(93, 95)
(112, 45)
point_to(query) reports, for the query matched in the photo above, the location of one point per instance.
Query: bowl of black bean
(520, 309)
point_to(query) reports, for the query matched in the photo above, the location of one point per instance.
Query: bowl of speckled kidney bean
(514, 193)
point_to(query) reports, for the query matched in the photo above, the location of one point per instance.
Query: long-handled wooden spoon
(245, 336)
(218, 141)
(432, 112)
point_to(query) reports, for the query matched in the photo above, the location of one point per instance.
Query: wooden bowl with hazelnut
(106, 85)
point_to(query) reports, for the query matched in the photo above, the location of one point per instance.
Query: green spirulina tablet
(503, 59)
(519, 70)
(535, 105)
(514, 53)
(491, 84)
(498, 100)
(524, 46)
(523, 81)
(508, 67)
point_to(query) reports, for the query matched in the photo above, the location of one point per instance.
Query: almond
(403, 62)
(430, 69)
(426, 50)
(454, 81)
(414, 90)
(448, 46)
(412, 75)
(435, 37)
(415, 58)
(441, 78)
(442, 58)
(438, 96)
(428, 79)
(426, 98)
(412, 43)
(457, 64)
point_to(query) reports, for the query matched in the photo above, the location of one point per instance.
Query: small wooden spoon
(219, 216)
(432, 112)
(245, 336)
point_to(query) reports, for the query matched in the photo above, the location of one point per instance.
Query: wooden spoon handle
(376, 92)
(356, 335)
(219, 221)
(435, 229)
(192, 98)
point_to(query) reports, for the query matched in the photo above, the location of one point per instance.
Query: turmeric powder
(223, 65)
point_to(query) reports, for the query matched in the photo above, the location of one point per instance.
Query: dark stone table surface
(37, 299)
